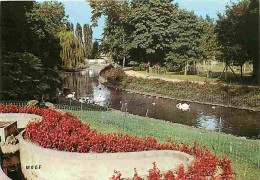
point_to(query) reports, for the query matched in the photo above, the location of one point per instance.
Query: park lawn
(181, 77)
(243, 153)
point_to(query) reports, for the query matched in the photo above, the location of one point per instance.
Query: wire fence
(246, 153)
(62, 107)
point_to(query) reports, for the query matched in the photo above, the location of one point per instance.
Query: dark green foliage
(21, 76)
(152, 34)
(150, 31)
(78, 33)
(15, 32)
(187, 33)
(87, 30)
(95, 50)
(238, 34)
(26, 37)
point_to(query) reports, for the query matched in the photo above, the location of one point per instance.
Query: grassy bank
(228, 95)
(181, 77)
(243, 153)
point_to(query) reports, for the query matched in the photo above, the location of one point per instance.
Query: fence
(245, 153)
(62, 107)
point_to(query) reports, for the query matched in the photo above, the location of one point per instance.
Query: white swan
(183, 107)
(90, 73)
(99, 99)
(83, 99)
(71, 95)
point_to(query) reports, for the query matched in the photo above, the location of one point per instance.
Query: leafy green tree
(187, 35)
(114, 38)
(15, 31)
(95, 50)
(209, 44)
(24, 30)
(151, 24)
(21, 76)
(68, 44)
(69, 26)
(238, 34)
(53, 15)
(78, 33)
(87, 30)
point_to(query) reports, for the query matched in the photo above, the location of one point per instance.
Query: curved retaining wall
(21, 118)
(43, 163)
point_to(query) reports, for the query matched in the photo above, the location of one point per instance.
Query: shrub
(114, 74)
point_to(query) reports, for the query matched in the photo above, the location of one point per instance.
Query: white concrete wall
(61, 165)
(21, 118)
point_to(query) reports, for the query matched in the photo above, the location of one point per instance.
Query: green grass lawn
(216, 70)
(245, 154)
(182, 77)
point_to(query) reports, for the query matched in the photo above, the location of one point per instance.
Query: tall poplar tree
(87, 31)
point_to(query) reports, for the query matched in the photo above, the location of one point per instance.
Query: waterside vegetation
(229, 95)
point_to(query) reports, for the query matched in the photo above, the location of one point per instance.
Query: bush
(141, 67)
(114, 74)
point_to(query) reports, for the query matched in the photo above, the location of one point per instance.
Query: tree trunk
(124, 62)
(226, 72)
(241, 72)
(185, 69)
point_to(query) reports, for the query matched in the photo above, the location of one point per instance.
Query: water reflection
(236, 122)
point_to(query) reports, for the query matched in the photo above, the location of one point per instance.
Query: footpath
(141, 75)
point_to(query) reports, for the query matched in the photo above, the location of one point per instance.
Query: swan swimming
(183, 107)
(90, 73)
(99, 99)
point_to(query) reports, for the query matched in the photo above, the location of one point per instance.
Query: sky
(80, 11)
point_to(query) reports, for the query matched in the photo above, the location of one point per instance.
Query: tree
(187, 33)
(238, 34)
(26, 36)
(15, 31)
(114, 31)
(53, 15)
(151, 30)
(209, 45)
(87, 31)
(68, 45)
(78, 33)
(95, 50)
(21, 76)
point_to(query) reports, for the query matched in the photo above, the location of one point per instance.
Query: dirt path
(141, 75)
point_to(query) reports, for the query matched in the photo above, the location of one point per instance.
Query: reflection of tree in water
(80, 84)
(239, 122)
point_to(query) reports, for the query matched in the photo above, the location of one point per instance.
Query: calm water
(236, 122)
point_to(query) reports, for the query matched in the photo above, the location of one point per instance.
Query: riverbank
(243, 153)
(240, 97)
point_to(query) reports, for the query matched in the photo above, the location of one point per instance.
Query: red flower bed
(65, 132)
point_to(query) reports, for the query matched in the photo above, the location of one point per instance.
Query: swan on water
(90, 73)
(183, 107)
(83, 99)
(99, 99)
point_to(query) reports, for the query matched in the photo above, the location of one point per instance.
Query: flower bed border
(55, 125)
